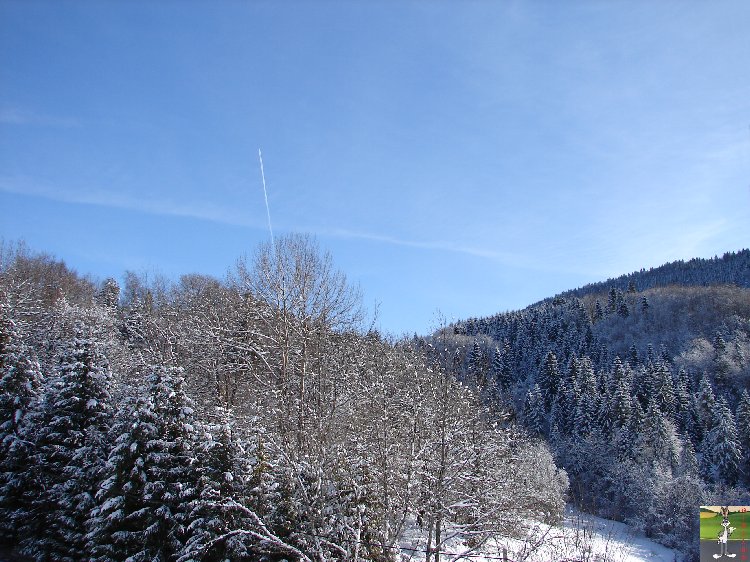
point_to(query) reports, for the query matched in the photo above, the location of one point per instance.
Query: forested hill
(639, 385)
(247, 419)
(733, 268)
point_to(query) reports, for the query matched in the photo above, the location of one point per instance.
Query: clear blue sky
(461, 157)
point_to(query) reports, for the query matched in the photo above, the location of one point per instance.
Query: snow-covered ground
(582, 537)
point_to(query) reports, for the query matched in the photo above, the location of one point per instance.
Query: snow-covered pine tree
(663, 389)
(505, 373)
(118, 523)
(622, 308)
(563, 409)
(172, 465)
(644, 383)
(497, 369)
(534, 414)
(598, 312)
(682, 401)
(476, 366)
(70, 450)
(743, 431)
(109, 294)
(587, 400)
(220, 526)
(549, 379)
(143, 502)
(688, 460)
(722, 448)
(621, 403)
(635, 432)
(660, 447)
(20, 378)
(704, 405)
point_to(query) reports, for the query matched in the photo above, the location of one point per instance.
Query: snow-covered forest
(258, 417)
(641, 393)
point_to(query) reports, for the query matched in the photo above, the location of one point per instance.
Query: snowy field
(582, 537)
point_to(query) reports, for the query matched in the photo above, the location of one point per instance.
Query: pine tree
(682, 401)
(20, 378)
(534, 411)
(621, 403)
(622, 309)
(657, 432)
(70, 450)
(705, 407)
(549, 379)
(644, 383)
(721, 362)
(477, 367)
(172, 481)
(613, 299)
(688, 460)
(633, 358)
(118, 523)
(743, 430)
(109, 295)
(587, 400)
(220, 492)
(598, 312)
(637, 441)
(723, 448)
(501, 365)
(664, 390)
(499, 371)
(150, 479)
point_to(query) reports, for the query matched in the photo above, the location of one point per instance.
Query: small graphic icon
(723, 532)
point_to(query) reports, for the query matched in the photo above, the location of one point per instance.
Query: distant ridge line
(733, 268)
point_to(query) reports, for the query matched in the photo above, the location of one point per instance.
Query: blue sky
(456, 158)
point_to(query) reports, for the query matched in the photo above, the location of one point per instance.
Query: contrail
(265, 194)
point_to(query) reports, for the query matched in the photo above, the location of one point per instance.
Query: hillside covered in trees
(251, 418)
(258, 417)
(639, 386)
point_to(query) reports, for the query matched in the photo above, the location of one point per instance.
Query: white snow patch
(581, 537)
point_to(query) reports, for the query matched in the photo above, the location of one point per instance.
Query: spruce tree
(621, 404)
(549, 379)
(534, 411)
(151, 476)
(587, 401)
(476, 365)
(664, 390)
(723, 447)
(173, 476)
(70, 450)
(658, 439)
(220, 506)
(622, 309)
(682, 401)
(118, 523)
(501, 366)
(598, 312)
(633, 358)
(636, 440)
(20, 378)
(563, 409)
(743, 430)
(499, 371)
(705, 407)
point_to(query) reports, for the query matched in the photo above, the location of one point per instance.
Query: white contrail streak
(265, 195)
